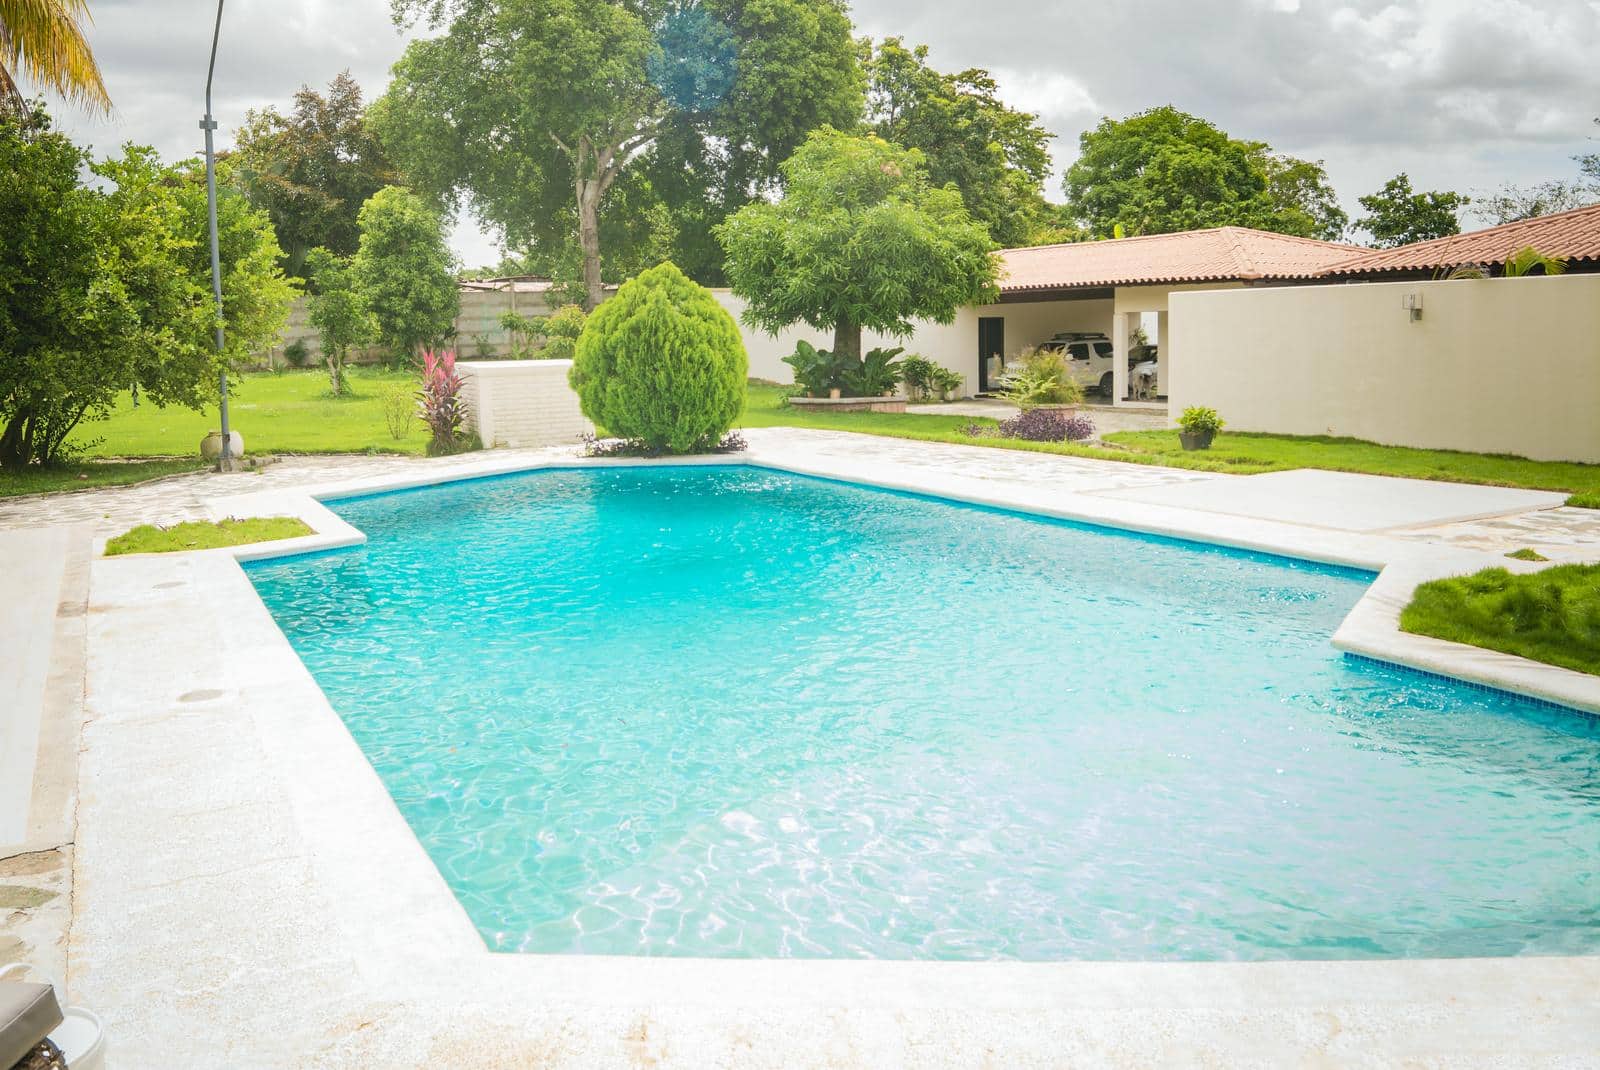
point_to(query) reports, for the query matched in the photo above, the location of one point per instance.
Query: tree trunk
(847, 340)
(336, 373)
(589, 191)
(14, 452)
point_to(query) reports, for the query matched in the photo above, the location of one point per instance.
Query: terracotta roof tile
(1223, 253)
(1574, 235)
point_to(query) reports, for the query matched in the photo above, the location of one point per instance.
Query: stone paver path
(1561, 534)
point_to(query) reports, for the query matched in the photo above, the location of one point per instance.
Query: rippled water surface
(726, 711)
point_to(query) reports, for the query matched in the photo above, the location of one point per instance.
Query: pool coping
(411, 940)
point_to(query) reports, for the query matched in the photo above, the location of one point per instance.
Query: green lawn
(70, 477)
(288, 413)
(1243, 453)
(205, 535)
(1552, 615)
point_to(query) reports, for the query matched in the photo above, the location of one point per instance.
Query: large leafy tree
(44, 40)
(1164, 170)
(108, 287)
(996, 156)
(312, 169)
(544, 112)
(860, 239)
(406, 271)
(1398, 215)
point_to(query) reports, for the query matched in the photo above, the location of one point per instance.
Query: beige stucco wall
(522, 402)
(952, 345)
(1493, 366)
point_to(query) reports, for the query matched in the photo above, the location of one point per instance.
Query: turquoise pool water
(733, 712)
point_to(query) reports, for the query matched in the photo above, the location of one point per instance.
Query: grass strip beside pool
(206, 535)
(90, 475)
(1551, 616)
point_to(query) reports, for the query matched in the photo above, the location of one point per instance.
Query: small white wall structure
(522, 403)
(1489, 366)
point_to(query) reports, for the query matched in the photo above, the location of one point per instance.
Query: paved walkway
(1558, 533)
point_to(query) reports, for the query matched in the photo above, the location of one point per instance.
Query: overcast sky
(1462, 94)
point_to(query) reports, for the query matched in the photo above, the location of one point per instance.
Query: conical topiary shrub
(661, 363)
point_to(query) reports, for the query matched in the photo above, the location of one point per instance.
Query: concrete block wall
(522, 403)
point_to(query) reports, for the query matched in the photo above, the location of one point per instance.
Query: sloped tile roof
(1220, 254)
(1574, 235)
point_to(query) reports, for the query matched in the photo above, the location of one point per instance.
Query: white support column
(1119, 357)
(1161, 353)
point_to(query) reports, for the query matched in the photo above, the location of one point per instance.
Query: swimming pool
(732, 712)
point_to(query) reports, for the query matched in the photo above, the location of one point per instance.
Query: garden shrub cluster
(1042, 378)
(661, 364)
(1047, 425)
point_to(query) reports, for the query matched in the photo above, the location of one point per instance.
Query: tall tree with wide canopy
(535, 109)
(313, 169)
(996, 156)
(1164, 170)
(44, 40)
(860, 239)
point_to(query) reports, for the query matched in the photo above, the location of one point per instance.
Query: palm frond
(43, 39)
(1527, 259)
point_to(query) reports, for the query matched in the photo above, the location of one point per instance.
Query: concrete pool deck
(246, 894)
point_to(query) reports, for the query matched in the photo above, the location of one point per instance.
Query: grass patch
(288, 412)
(1590, 500)
(1527, 553)
(1240, 453)
(205, 535)
(87, 476)
(1551, 616)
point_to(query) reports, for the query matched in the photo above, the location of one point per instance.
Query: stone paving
(1561, 534)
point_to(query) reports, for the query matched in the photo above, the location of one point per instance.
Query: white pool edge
(412, 941)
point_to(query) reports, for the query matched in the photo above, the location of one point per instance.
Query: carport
(1110, 286)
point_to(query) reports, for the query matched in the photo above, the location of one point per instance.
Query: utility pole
(209, 125)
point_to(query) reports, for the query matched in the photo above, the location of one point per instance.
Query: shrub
(1042, 379)
(876, 374)
(297, 353)
(399, 409)
(662, 363)
(918, 372)
(561, 330)
(1197, 419)
(946, 382)
(816, 371)
(1047, 425)
(594, 446)
(439, 402)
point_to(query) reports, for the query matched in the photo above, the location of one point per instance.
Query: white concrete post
(1161, 353)
(1119, 358)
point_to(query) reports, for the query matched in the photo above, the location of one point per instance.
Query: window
(1103, 349)
(1079, 350)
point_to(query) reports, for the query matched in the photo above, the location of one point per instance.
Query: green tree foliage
(662, 363)
(1399, 216)
(1164, 170)
(312, 169)
(406, 271)
(108, 287)
(1510, 203)
(338, 309)
(860, 239)
(996, 156)
(667, 115)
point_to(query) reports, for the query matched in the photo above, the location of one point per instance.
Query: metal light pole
(208, 124)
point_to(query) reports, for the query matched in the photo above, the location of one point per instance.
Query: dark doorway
(991, 343)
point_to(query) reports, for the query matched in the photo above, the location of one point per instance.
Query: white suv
(1088, 358)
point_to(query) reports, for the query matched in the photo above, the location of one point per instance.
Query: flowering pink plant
(439, 401)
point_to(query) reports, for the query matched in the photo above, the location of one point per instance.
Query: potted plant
(1198, 426)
